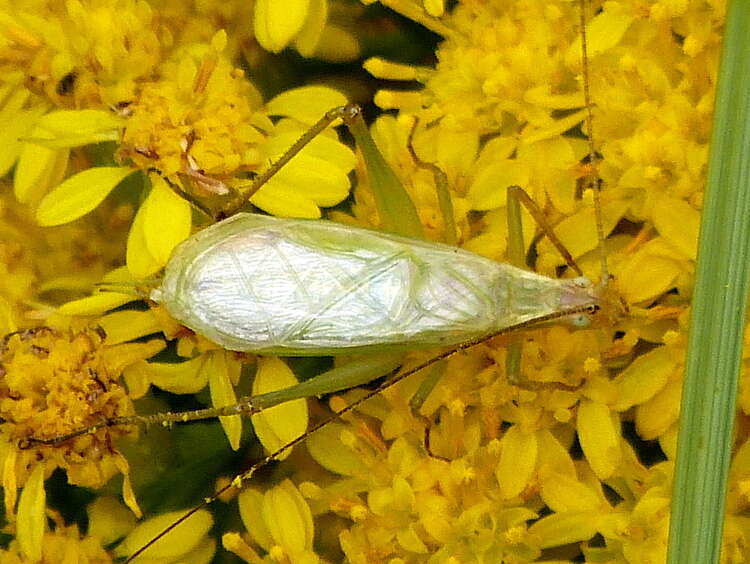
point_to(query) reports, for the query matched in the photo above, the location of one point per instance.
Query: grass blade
(718, 314)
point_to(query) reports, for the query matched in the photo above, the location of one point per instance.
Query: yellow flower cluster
(79, 53)
(55, 382)
(202, 115)
(139, 109)
(141, 97)
(57, 546)
(548, 470)
(186, 113)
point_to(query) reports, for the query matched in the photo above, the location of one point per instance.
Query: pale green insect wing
(302, 287)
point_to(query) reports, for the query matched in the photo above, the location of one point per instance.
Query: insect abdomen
(298, 287)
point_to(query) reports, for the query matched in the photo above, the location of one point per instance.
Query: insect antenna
(594, 180)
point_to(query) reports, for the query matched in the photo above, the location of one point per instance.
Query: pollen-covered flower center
(53, 383)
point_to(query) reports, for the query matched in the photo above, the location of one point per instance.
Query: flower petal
(32, 520)
(278, 425)
(678, 222)
(648, 274)
(79, 194)
(176, 543)
(307, 104)
(312, 30)
(109, 519)
(276, 23)
(221, 373)
(285, 201)
(141, 263)
(327, 448)
(127, 325)
(15, 124)
(562, 492)
(489, 188)
(38, 169)
(517, 461)
(97, 304)
(323, 147)
(644, 378)
(658, 415)
(178, 377)
(288, 517)
(560, 529)
(167, 220)
(600, 437)
(250, 502)
(73, 128)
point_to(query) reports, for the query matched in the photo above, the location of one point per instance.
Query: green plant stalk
(718, 314)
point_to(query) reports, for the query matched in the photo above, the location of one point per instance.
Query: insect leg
(516, 250)
(164, 418)
(396, 209)
(317, 128)
(517, 256)
(340, 378)
(397, 212)
(441, 188)
(393, 378)
(351, 375)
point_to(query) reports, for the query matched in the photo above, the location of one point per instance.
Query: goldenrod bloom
(489, 466)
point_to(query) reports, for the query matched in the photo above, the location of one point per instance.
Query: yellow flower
(199, 96)
(64, 543)
(55, 382)
(184, 111)
(489, 466)
(315, 29)
(81, 53)
(40, 267)
(279, 521)
(203, 129)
